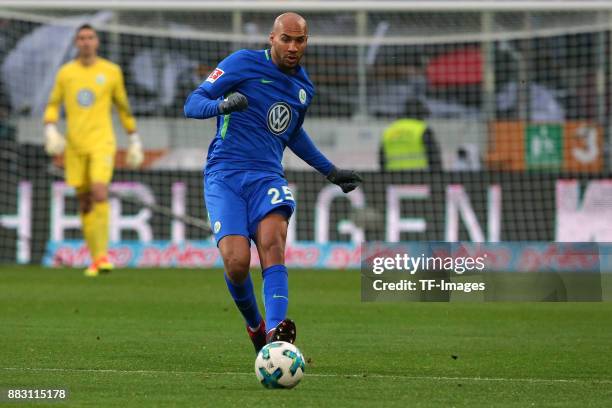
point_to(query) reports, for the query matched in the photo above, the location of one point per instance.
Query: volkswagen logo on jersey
(279, 117)
(85, 97)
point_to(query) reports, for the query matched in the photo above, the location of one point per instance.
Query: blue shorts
(238, 200)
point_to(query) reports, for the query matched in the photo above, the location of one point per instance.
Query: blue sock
(244, 297)
(276, 294)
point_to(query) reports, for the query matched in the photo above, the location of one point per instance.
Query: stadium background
(519, 98)
(522, 88)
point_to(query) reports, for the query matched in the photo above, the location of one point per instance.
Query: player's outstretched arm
(348, 180)
(236, 102)
(200, 105)
(134, 156)
(304, 148)
(205, 102)
(122, 103)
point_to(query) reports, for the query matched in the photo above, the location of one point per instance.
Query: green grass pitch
(172, 337)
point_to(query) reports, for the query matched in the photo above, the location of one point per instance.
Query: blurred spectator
(403, 79)
(401, 82)
(543, 104)
(187, 83)
(7, 129)
(409, 143)
(156, 74)
(466, 158)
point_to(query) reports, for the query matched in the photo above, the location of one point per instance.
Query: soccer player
(260, 99)
(87, 87)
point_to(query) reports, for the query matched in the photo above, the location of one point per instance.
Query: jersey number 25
(276, 195)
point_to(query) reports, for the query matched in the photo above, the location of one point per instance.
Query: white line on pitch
(383, 376)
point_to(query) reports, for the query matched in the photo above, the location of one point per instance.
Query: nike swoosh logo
(265, 81)
(275, 296)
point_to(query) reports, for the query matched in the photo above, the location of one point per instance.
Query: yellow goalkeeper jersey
(88, 93)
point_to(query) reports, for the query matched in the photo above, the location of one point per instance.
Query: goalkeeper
(87, 87)
(247, 196)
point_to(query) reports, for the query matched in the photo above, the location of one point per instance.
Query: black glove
(348, 180)
(234, 102)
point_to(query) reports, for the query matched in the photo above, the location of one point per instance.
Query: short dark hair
(416, 109)
(85, 26)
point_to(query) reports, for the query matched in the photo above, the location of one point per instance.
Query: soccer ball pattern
(279, 365)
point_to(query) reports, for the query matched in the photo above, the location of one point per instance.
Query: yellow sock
(88, 221)
(102, 216)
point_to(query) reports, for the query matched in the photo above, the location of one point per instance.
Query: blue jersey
(255, 138)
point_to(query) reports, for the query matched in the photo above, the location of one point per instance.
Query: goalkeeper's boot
(104, 265)
(258, 337)
(92, 271)
(284, 331)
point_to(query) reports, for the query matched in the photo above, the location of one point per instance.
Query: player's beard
(291, 61)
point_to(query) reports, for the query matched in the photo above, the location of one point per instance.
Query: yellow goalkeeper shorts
(84, 169)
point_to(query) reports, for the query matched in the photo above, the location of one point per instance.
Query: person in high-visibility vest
(409, 143)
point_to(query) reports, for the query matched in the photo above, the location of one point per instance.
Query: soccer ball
(279, 365)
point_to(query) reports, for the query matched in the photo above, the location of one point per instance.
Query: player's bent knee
(236, 254)
(99, 193)
(237, 262)
(85, 202)
(271, 237)
(236, 268)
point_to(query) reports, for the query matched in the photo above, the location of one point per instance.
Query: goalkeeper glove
(348, 180)
(234, 102)
(54, 141)
(135, 156)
